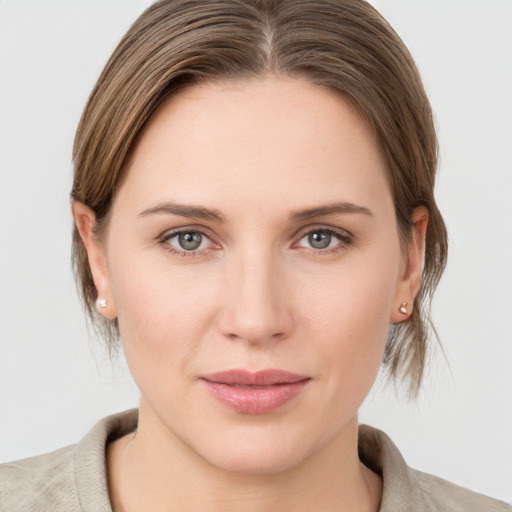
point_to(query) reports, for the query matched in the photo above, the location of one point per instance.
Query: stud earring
(403, 308)
(101, 303)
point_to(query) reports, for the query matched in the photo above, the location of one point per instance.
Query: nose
(257, 306)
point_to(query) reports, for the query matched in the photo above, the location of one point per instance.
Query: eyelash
(165, 239)
(343, 237)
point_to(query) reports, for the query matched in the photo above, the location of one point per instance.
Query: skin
(254, 295)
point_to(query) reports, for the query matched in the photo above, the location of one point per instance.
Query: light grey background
(55, 382)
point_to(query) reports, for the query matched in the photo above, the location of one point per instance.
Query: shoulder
(42, 483)
(439, 494)
(406, 489)
(71, 479)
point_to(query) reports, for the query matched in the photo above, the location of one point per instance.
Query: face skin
(255, 294)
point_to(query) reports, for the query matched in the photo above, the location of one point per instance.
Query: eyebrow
(183, 210)
(329, 209)
(199, 212)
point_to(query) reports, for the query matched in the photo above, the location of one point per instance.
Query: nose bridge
(256, 309)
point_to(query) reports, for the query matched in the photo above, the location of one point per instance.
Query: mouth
(254, 393)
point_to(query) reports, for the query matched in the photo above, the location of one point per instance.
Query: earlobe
(85, 221)
(410, 279)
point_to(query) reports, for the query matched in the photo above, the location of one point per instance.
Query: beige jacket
(73, 479)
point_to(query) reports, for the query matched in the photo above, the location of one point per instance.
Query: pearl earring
(101, 303)
(403, 308)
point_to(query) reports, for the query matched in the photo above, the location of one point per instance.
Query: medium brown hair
(344, 45)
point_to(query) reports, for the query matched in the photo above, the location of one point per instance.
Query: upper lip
(260, 378)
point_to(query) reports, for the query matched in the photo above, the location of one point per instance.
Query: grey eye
(319, 239)
(190, 241)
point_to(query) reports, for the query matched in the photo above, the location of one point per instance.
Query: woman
(253, 200)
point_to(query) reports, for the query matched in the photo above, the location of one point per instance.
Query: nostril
(256, 336)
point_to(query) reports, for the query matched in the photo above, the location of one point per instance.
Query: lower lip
(254, 400)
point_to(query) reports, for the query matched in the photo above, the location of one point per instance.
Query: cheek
(163, 311)
(348, 315)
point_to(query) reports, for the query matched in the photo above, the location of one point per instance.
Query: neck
(153, 470)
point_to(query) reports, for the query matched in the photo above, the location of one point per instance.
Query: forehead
(254, 141)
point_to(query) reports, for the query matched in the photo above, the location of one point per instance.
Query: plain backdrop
(55, 379)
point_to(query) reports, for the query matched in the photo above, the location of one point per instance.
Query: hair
(344, 45)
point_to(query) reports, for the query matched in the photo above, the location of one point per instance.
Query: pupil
(190, 241)
(319, 240)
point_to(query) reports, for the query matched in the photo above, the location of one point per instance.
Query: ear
(85, 221)
(410, 275)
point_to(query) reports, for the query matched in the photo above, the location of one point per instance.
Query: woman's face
(255, 231)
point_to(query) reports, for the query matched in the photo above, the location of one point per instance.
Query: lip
(254, 392)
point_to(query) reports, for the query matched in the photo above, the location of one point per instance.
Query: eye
(186, 241)
(321, 239)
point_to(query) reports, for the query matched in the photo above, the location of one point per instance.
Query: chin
(256, 450)
(255, 460)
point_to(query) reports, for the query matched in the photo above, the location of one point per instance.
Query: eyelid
(185, 228)
(344, 233)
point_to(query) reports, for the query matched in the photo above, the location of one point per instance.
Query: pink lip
(254, 393)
